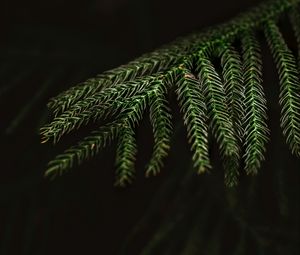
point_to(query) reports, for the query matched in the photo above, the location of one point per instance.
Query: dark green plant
(227, 101)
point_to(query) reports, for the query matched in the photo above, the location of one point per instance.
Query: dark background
(48, 46)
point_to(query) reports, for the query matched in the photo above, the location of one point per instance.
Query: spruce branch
(85, 149)
(126, 156)
(99, 105)
(233, 84)
(289, 86)
(229, 102)
(170, 55)
(161, 121)
(217, 108)
(190, 97)
(138, 68)
(254, 122)
(218, 113)
(98, 139)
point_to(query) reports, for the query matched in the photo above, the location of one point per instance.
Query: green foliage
(289, 86)
(219, 117)
(160, 118)
(233, 83)
(126, 154)
(254, 122)
(86, 148)
(190, 96)
(227, 101)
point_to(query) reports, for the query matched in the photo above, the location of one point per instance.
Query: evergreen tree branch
(169, 55)
(126, 156)
(254, 122)
(233, 84)
(192, 105)
(100, 105)
(219, 117)
(289, 86)
(160, 118)
(231, 105)
(99, 139)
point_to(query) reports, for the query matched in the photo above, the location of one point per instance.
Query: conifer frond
(231, 105)
(148, 64)
(220, 120)
(92, 144)
(162, 59)
(191, 100)
(125, 156)
(217, 108)
(100, 105)
(289, 97)
(254, 122)
(233, 84)
(85, 149)
(161, 122)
